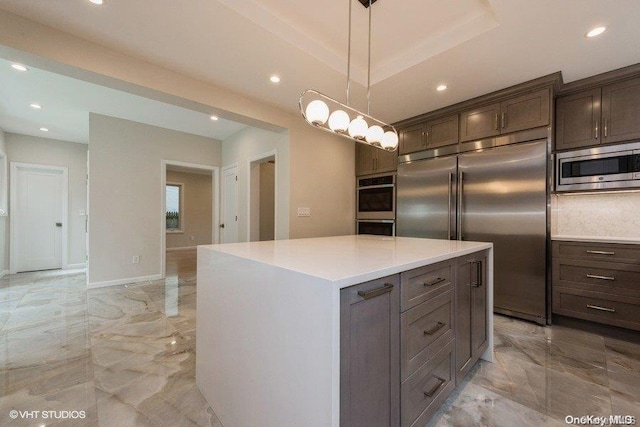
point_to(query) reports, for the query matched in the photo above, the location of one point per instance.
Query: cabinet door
(365, 159)
(464, 351)
(479, 330)
(386, 161)
(480, 123)
(442, 132)
(413, 139)
(525, 112)
(621, 111)
(578, 120)
(370, 354)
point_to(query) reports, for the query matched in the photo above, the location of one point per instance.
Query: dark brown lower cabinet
(399, 363)
(471, 311)
(370, 354)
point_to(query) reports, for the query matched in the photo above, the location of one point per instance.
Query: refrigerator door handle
(449, 200)
(460, 206)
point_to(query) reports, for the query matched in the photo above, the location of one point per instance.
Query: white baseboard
(130, 280)
(75, 266)
(3, 273)
(182, 248)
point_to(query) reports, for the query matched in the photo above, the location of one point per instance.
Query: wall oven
(615, 166)
(376, 197)
(383, 227)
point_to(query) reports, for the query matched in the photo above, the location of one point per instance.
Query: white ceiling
(67, 103)
(474, 46)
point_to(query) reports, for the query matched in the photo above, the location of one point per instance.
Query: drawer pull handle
(435, 329)
(435, 388)
(372, 293)
(434, 282)
(601, 253)
(597, 307)
(595, 276)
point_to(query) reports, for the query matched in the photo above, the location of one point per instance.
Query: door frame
(256, 159)
(13, 268)
(215, 201)
(230, 166)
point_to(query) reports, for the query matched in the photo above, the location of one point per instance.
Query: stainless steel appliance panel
(381, 227)
(503, 200)
(376, 197)
(426, 204)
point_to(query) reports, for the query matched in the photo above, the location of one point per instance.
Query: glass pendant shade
(389, 140)
(374, 134)
(317, 112)
(358, 128)
(339, 121)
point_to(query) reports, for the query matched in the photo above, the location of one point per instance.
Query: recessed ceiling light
(215, 118)
(19, 67)
(440, 88)
(44, 129)
(596, 31)
(96, 1)
(36, 106)
(274, 79)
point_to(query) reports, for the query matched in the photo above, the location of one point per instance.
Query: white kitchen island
(268, 320)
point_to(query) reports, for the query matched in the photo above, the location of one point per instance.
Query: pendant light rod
(349, 55)
(369, 66)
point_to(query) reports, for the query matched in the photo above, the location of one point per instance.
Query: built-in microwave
(376, 197)
(615, 166)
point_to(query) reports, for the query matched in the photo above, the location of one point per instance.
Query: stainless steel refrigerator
(494, 195)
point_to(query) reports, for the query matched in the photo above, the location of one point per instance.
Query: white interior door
(39, 223)
(229, 220)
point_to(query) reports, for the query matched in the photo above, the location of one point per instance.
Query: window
(173, 207)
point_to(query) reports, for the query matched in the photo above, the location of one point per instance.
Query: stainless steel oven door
(377, 202)
(376, 227)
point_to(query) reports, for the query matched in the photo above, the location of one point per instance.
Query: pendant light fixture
(333, 116)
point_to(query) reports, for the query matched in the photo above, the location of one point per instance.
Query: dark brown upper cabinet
(526, 111)
(621, 111)
(370, 160)
(480, 122)
(578, 120)
(412, 139)
(435, 133)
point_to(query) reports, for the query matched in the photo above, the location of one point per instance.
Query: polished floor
(125, 356)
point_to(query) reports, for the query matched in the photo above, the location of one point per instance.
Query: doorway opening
(189, 214)
(261, 218)
(39, 203)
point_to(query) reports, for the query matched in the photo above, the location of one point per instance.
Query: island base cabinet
(370, 354)
(471, 311)
(425, 390)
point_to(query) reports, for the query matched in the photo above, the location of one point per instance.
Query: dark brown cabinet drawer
(597, 307)
(425, 329)
(424, 391)
(598, 251)
(422, 284)
(597, 276)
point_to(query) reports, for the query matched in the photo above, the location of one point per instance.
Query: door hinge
(236, 177)
(236, 218)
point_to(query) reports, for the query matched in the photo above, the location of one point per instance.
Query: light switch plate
(304, 211)
(82, 212)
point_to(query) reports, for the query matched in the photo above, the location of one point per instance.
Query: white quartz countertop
(348, 260)
(599, 239)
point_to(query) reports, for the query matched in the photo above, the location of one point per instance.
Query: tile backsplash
(613, 214)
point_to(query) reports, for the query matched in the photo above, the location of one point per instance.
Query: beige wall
(126, 194)
(248, 144)
(4, 223)
(197, 216)
(322, 174)
(43, 151)
(267, 199)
